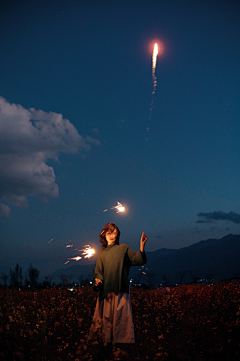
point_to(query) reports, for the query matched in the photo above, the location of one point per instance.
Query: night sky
(75, 93)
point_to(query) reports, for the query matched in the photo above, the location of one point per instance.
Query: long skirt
(112, 319)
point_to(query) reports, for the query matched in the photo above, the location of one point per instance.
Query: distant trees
(4, 277)
(47, 282)
(65, 279)
(33, 274)
(16, 277)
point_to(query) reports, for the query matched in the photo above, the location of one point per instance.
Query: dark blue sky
(75, 87)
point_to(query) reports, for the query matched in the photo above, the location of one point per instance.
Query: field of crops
(188, 322)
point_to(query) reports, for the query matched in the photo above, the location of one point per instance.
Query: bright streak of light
(154, 64)
(120, 208)
(50, 240)
(87, 252)
(154, 58)
(69, 245)
(76, 258)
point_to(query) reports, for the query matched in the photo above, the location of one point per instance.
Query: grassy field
(188, 322)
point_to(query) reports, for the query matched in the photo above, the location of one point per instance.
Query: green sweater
(113, 266)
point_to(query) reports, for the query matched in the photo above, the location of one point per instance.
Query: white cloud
(28, 138)
(4, 210)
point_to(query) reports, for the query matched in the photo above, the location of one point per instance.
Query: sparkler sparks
(87, 252)
(74, 258)
(154, 64)
(120, 208)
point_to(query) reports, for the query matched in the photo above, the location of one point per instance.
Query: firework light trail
(87, 252)
(154, 79)
(119, 207)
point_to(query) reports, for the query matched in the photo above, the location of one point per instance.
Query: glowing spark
(50, 240)
(76, 258)
(69, 245)
(154, 61)
(87, 252)
(119, 207)
(154, 64)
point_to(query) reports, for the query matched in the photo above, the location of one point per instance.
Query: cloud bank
(218, 215)
(28, 138)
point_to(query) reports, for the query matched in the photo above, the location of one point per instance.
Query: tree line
(15, 279)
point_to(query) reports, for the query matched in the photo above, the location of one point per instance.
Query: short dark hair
(110, 227)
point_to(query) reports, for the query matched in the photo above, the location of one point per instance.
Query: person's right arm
(98, 282)
(98, 274)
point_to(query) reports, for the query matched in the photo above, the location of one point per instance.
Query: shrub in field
(189, 322)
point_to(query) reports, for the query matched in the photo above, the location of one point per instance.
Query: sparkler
(119, 207)
(87, 252)
(154, 64)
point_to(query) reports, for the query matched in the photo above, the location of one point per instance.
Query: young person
(112, 318)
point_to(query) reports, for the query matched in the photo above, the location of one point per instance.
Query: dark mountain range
(211, 259)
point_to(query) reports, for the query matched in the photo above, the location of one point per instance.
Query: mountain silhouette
(212, 259)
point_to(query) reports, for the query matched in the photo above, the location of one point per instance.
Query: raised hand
(143, 241)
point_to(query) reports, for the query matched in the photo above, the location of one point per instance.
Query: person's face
(111, 236)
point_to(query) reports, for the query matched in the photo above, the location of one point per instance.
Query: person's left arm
(138, 258)
(143, 241)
